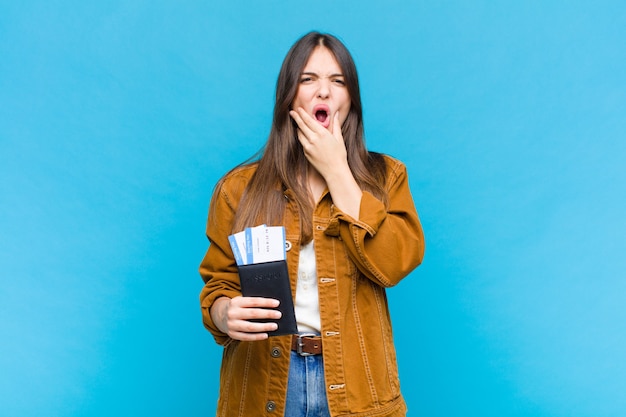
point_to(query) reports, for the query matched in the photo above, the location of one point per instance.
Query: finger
(307, 123)
(262, 302)
(305, 134)
(336, 128)
(247, 337)
(259, 314)
(304, 141)
(251, 308)
(250, 331)
(247, 326)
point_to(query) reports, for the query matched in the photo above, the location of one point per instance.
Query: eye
(339, 81)
(304, 80)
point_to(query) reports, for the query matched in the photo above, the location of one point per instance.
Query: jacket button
(270, 406)
(275, 352)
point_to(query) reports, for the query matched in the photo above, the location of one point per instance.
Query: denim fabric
(306, 390)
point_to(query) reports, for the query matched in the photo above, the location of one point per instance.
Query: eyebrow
(314, 73)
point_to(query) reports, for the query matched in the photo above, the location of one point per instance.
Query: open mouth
(321, 112)
(321, 116)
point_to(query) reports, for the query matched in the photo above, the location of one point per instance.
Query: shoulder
(393, 167)
(241, 173)
(232, 185)
(391, 162)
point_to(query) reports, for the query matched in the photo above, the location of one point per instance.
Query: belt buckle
(300, 344)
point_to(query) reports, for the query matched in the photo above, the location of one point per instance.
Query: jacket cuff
(371, 214)
(220, 337)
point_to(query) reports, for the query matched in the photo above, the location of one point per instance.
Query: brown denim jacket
(356, 261)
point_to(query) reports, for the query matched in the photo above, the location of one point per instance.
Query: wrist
(218, 311)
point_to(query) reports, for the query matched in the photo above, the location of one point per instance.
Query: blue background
(118, 117)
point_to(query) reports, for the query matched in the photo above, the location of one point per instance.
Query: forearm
(345, 192)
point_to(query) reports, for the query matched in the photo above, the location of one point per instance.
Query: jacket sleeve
(385, 243)
(218, 268)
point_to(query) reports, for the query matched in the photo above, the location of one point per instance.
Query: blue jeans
(306, 390)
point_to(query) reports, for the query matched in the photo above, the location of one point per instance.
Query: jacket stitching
(385, 341)
(244, 387)
(343, 401)
(229, 376)
(385, 411)
(370, 267)
(359, 329)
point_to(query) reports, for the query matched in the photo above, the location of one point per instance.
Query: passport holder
(271, 280)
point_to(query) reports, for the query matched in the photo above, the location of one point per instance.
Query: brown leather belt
(306, 344)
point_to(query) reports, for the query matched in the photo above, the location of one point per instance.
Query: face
(322, 91)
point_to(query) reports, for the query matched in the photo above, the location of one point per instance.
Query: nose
(323, 89)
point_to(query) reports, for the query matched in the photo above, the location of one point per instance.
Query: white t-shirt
(307, 305)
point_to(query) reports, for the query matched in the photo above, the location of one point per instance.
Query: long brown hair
(282, 164)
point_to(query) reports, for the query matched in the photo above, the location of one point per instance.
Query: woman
(352, 230)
